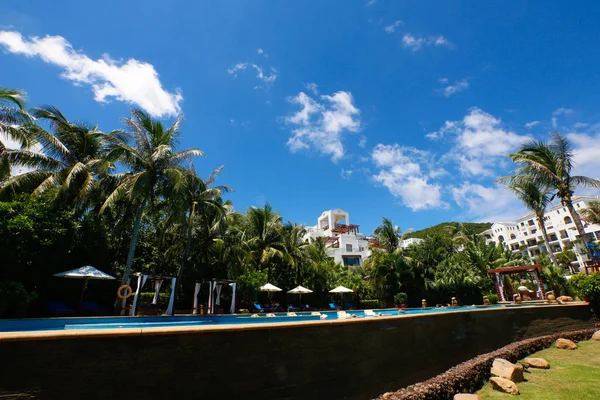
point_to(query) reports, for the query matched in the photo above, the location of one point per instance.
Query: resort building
(409, 242)
(345, 243)
(524, 235)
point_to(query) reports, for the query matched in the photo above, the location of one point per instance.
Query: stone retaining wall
(356, 359)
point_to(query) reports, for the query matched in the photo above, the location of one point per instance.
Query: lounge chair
(307, 307)
(260, 308)
(369, 313)
(343, 315)
(59, 308)
(334, 307)
(292, 308)
(92, 307)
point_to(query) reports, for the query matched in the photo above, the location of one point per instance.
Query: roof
(512, 270)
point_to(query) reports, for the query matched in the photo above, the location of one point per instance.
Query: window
(530, 222)
(564, 234)
(501, 239)
(361, 249)
(513, 236)
(349, 247)
(578, 205)
(351, 261)
(568, 220)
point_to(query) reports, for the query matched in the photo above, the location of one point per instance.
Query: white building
(525, 236)
(409, 242)
(344, 242)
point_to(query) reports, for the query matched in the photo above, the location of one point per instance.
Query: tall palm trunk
(542, 225)
(577, 220)
(186, 252)
(134, 237)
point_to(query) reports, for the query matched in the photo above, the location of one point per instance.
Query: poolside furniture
(332, 306)
(259, 308)
(292, 308)
(307, 307)
(369, 313)
(59, 308)
(92, 307)
(291, 314)
(270, 315)
(343, 315)
(526, 294)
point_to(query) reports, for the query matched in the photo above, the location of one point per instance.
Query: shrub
(492, 297)
(576, 284)
(14, 299)
(367, 304)
(591, 288)
(401, 298)
(147, 297)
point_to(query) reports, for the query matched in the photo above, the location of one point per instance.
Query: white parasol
(300, 290)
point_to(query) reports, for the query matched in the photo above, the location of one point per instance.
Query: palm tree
(155, 168)
(388, 235)
(536, 199)
(264, 237)
(72, 156)
(294, 247)
(14, 122)
(591, 214)
(549, 165)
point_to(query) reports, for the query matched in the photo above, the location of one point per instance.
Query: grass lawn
(573, 374)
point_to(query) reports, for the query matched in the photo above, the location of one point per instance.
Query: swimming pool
(87, 323)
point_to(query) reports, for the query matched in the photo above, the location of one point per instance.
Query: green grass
(573, 374)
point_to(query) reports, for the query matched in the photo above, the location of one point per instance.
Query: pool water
(51, 324)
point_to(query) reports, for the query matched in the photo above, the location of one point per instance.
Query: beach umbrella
(300, 290)
(341, 290)
(85, 273)
(269, 289)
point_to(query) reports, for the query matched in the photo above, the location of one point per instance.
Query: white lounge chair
(369, 313)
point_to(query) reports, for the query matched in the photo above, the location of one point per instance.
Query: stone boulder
(507, 370)
(504, 385)
(566, 344)
(466, 396)
(564, 298)
(531, 362)
(596, 336)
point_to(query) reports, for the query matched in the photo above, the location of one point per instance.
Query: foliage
(401, 298)
(554, 277)
(576, 284)
(248, 284)
(470, 228)
(591, 288)
(14, 299)
(492, 297)
(591, 214)
(146, 298)
(369, 304)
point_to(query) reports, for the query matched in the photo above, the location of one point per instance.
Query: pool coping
(178, 330)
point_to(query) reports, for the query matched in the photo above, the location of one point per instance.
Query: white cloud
(580, 125)
(134, 82)
(371, 2)
(480, 143)
(401, 172)
(416, 43)
(267, 79)
(559, 112)
(262, 52)
(443, 81)
(363, 142)
(487, 203)
(586, 148)
(320, 124)
(313, 87)
(393, 27)
(531, 124)
(346, 173)
(458, 86)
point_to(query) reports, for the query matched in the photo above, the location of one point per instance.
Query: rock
(507, 370)
(564, 298)
(596, 336)
(466, 396)
(504, 385)
(566, 344)
(537, 363)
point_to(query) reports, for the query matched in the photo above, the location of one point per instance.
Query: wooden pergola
(345, 229)
(498, 272)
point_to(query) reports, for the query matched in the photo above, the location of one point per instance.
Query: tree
(549, 165)
(591, 214)
(388, 235)
(536, 199)
(294, 247)
(14, 121)
(155, 168)
(71, 158)
(264, 238)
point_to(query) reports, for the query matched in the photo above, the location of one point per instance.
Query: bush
(14, 299)
(591, 288)
(492, 297)
(368, 304)
(147, 297)
(576, 284)
(401, 298)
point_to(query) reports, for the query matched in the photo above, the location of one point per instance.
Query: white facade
(525, 236)
(345, 244)
(409, 242)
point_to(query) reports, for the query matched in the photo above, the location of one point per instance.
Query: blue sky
(382, 108)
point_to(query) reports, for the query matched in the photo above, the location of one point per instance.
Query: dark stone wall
(355, 360)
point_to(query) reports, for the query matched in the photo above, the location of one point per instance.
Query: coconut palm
(155, 168)
(14, 122)
(388, 235)
(294, 247)
(549, 165)
(264, 238)
(536, 199)
(70, 158)
(591, 214)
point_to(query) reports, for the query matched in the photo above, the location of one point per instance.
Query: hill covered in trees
(469, 228)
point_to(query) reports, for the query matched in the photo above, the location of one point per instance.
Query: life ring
(127, 289)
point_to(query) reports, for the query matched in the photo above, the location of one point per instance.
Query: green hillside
(470, 228)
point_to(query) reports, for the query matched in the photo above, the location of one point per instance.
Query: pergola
(498, 272)
(345, 229)
(159, 279)
(214, 294)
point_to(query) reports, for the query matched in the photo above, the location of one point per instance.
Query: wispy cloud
(393, 27)
(486, 203)
(262, 52)
(313, 87)
(346, 173)
(320, 123)
(266, 78)
(532, 124)
(133, 82)
(415, 43)
(557, 113)
(371, 2)
(452, 89)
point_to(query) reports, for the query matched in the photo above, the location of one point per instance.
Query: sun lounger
(369, 313)
(292, 308)
(334, 307)
(260, 308)
(343, 315)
